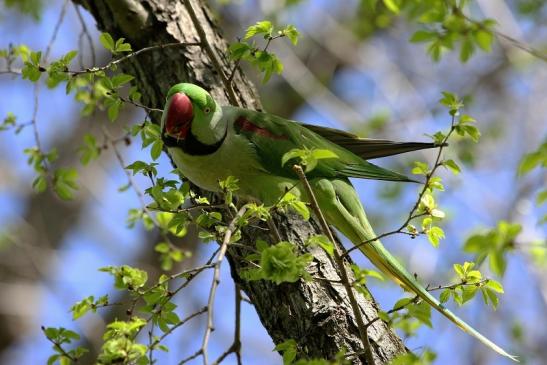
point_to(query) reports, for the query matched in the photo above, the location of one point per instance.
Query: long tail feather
(383, 260)
(368, 148)
(342, 208)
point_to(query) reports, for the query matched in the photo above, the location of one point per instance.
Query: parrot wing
(274, 136)
(367, 148)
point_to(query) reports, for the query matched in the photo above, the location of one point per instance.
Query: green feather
(290, 135)
(252, 151)
(342, 208)
(368, 148)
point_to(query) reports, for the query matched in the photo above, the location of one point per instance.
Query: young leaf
(291, 33)
(107, 41)
(452, 166)
(264, 27)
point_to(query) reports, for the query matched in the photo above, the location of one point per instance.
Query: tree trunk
(317, 314)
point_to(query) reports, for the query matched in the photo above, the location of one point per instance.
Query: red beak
(179, 116)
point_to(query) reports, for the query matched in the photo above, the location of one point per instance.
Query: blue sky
(473, 200)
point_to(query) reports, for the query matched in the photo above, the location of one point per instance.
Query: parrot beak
(179, 116)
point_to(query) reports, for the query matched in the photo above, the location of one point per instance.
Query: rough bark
(317, 314)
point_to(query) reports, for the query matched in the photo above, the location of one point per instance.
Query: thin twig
(462, 283)
(180, 324)
(151, 345)
(132, 183)
(59, 348)
(56, 31)
(412, 214)
(138, 105)
(237, 329)
(234, 70)
(140, 195)
(85, 33)
(340, 263)
(515, 42)
(191, 357)
(414, 300)
(216, 280)
(235, 347)
(131, 55)
(36, 90)
(273, 229)
(191, 208)
(522, 46)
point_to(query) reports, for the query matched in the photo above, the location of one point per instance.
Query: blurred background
(352, 70)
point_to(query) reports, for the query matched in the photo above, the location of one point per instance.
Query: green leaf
(143, 167)
(291, 33)
(438, 137)
(52, 359)
(268, 63)
(121, 46)
(240, 50)
(452, 166)
(294, 153)
(467, 49)
(423, 36)
(495, 286)
(307, 157)
(121, 79)
(435, 50)
(107, 41)
(288, 350)
(445, 295)
(289, 200)
(264, 27)
(422, 312)
(279, 263)
(541, 197)
(490, 296)
(426, 358)
(459, 270)
(401, 303)
(434, 235)
(435, 183)
(114, 110)
(89, 151)
(428, 201)
(156, 149)
(392, 5)
(64, 182)
(497, 262)
(472, 131)
(437, 213)
(533, 159)
(451, 101)
(162, 247)
(31, 71)
(67, 58)
(35, 57)
(321, 241)
(320, 154)
(9, 121)
(40, 184)
(87, 304)
(127, 277)
(468, 292)
(484, 39)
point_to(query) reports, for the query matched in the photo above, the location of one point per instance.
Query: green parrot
(209, 142)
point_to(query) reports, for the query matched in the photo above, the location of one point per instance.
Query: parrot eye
(207, 110)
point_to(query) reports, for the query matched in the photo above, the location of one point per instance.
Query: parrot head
(190, 109)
